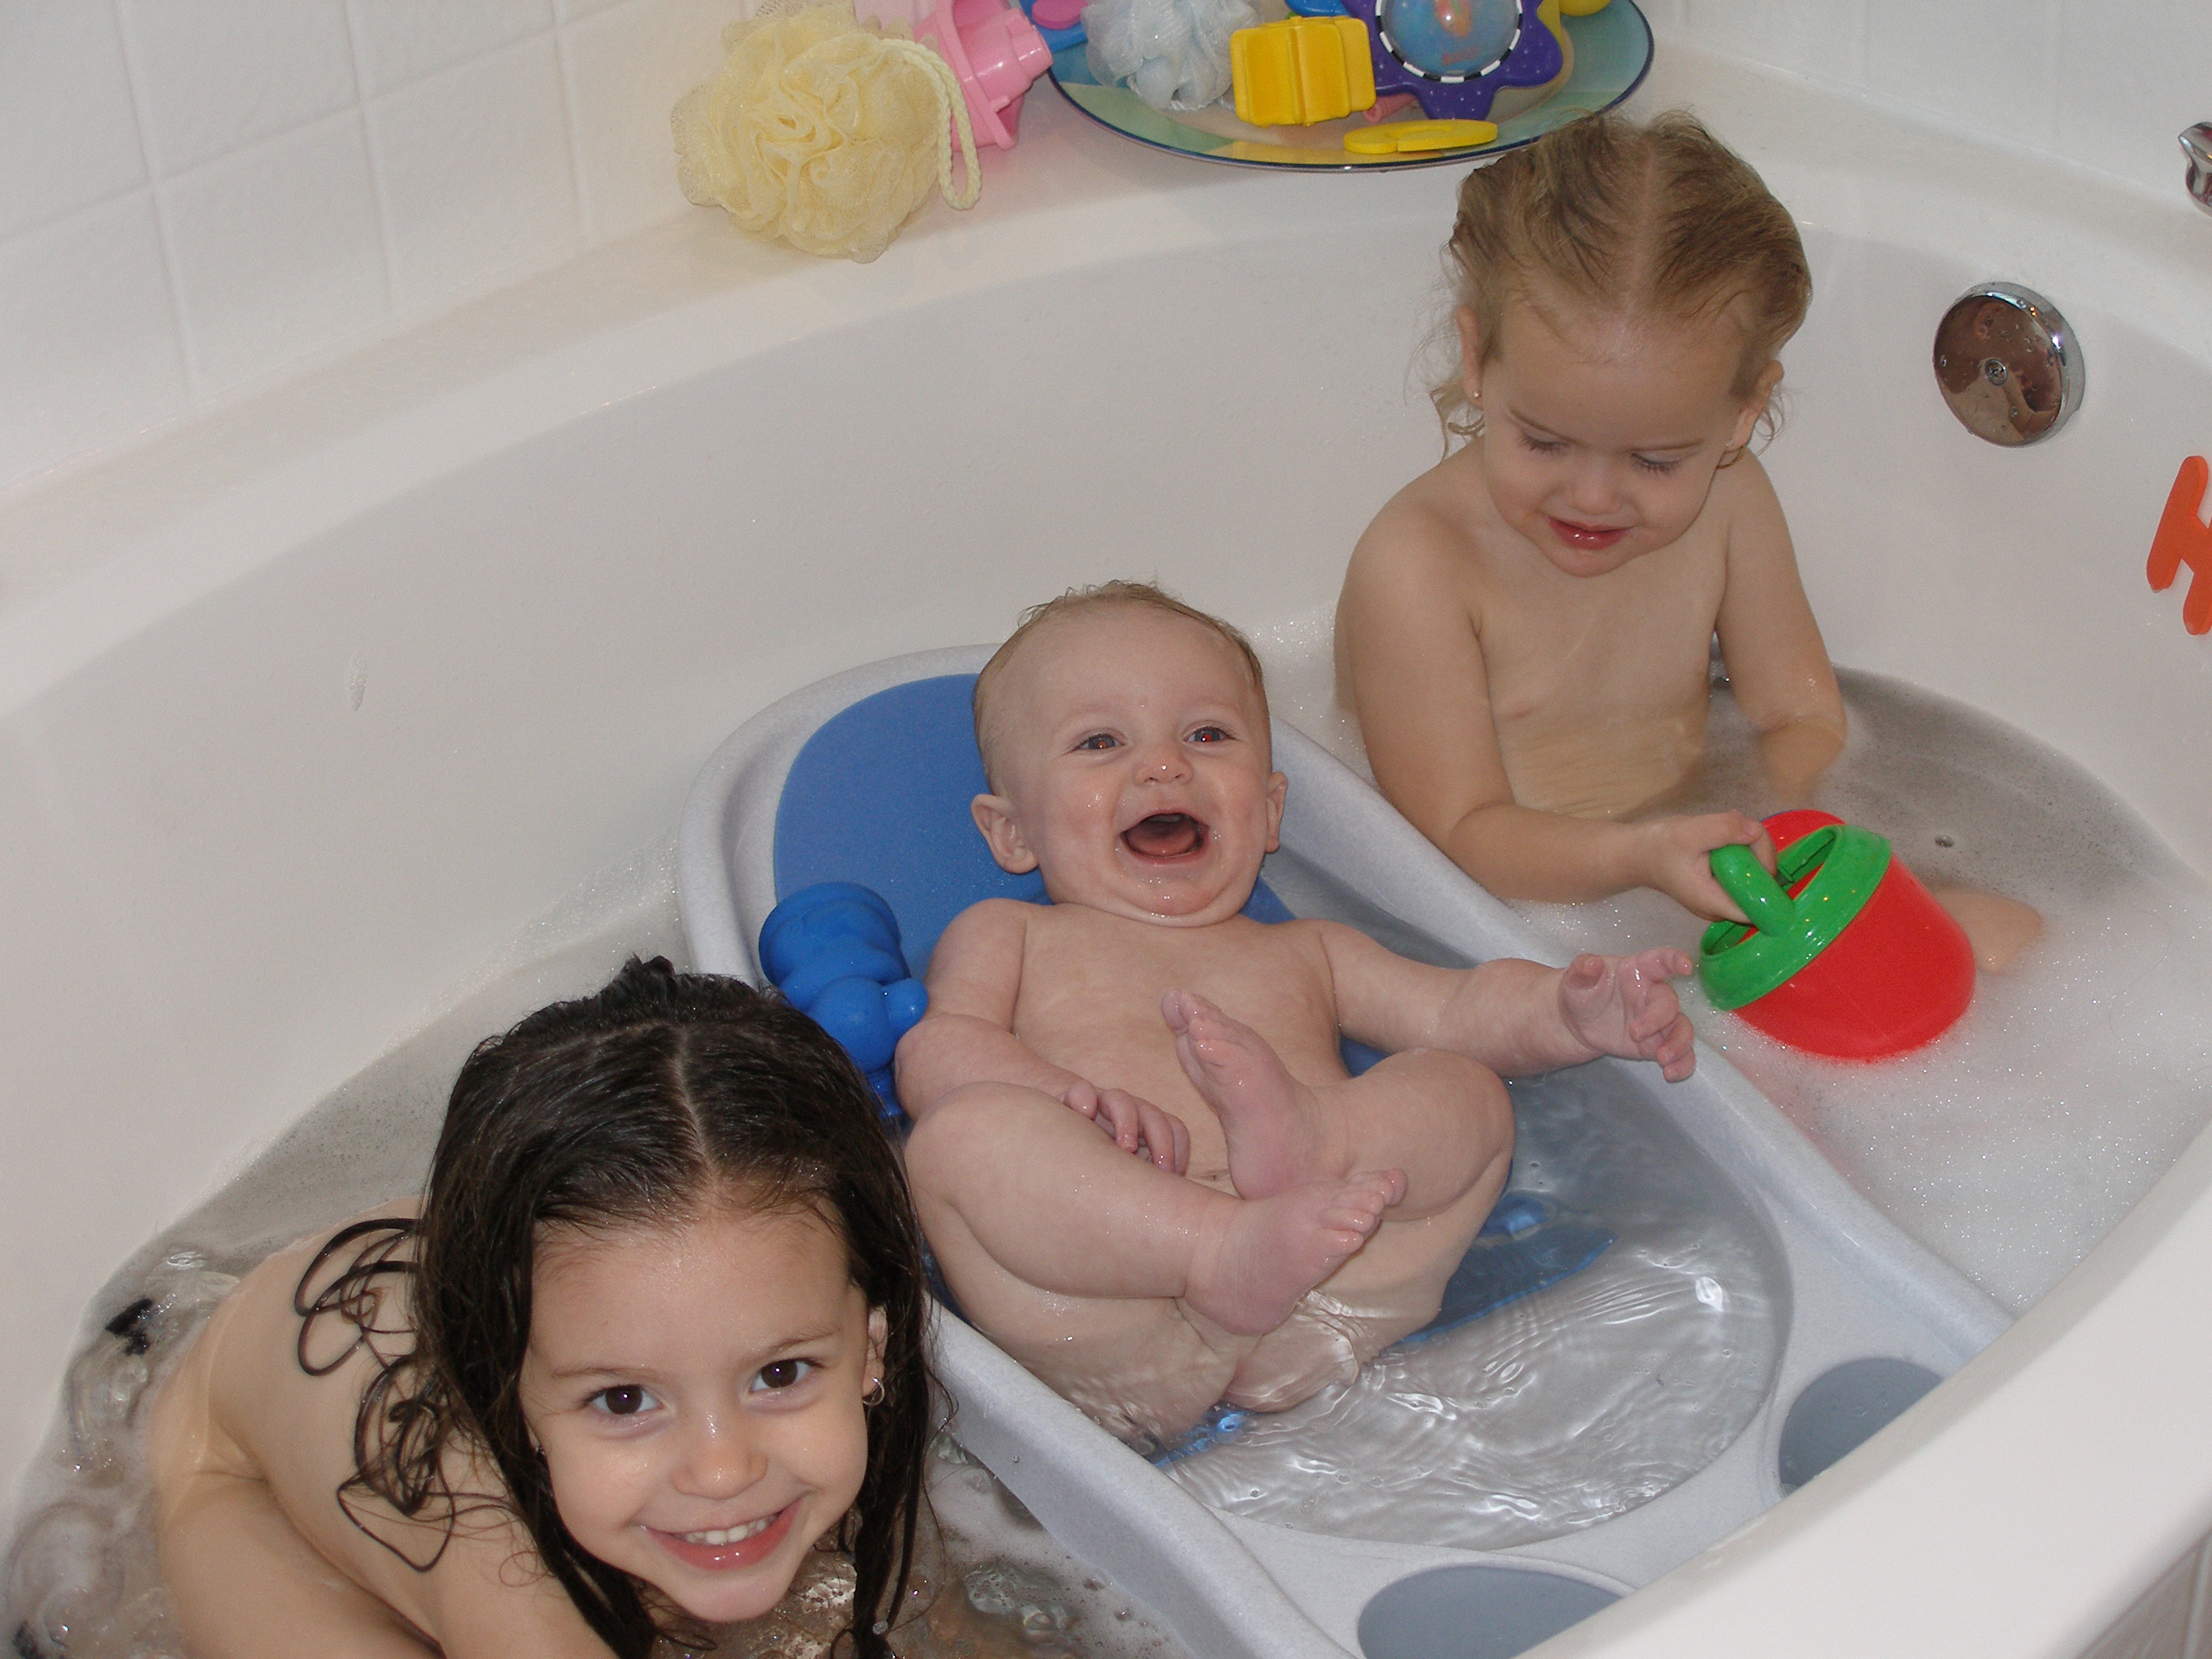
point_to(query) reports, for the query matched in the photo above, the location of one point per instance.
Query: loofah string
(952, 113)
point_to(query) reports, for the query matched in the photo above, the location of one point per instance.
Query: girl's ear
(1746, 419)
(1470, 354)
(879, 1329)
(994, 816)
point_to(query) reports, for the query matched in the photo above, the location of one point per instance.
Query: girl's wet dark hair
(647, 1104)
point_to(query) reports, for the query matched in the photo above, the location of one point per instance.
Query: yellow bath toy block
(1301, 70)
(1417, 137)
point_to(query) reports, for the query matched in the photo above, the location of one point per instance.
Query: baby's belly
(1606, 773)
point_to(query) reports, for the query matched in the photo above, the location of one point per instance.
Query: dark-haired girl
(653, 1333)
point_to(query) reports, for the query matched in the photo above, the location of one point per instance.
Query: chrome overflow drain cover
(2008, 364)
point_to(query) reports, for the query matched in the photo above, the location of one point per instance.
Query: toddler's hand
(1677, 858)
(1133, 1124)
(1623, 1006)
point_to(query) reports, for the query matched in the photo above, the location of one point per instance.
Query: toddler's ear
(1470, 352)
(1278, 786)
(994, 816)
(1747, 420)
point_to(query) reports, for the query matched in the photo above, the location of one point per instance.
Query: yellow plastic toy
(1301, 70)
(1396, 137)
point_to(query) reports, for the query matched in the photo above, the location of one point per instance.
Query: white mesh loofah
(1174, 54)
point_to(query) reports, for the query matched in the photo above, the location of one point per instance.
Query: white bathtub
(318, 713)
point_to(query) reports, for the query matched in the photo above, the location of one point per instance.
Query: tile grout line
(572, 117)
(371, 153)
(187, 348)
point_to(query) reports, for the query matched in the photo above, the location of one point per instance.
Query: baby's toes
(1376, 1190)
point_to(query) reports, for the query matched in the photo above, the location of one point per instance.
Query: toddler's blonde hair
(1076, 602)
(1661, 221)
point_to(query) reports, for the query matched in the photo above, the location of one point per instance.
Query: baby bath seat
(1866, 1319)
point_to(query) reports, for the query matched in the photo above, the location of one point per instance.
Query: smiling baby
(1137, 1153)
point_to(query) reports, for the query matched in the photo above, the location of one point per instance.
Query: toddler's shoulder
(1423, 554)
(1743, 486)
(1430, 521)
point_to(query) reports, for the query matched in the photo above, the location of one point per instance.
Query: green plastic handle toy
(1745, 879)
(1839, 865)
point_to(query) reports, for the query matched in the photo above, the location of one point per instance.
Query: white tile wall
(2105, 85)
(199, 194)
(475, 169)
(274, 251)
(64, 93)
(196, 195)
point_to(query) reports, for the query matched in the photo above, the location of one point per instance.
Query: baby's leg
(1010, 1175)
(1442, 1118)
(1998, 928)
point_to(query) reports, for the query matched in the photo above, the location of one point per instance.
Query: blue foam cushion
(879, 796)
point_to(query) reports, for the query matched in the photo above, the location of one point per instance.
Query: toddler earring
(873, 1394)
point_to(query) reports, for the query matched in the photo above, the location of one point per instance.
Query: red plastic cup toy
(1855, 960)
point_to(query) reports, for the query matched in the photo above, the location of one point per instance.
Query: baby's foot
(1278, 1134)
(1998, 928)
(1248, 1275)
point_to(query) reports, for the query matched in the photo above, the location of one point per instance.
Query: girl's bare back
(249, 1453)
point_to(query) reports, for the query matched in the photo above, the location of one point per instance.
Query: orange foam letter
(2184, 539)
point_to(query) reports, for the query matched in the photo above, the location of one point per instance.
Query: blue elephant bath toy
(833, 949)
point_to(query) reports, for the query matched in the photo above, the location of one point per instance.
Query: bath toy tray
(1612, 53)
(1860, 1320)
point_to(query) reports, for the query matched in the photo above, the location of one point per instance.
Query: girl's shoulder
(1431, 530)
(1745, 518)
(1742, 485)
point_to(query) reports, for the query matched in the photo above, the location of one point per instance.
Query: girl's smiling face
(1604, 450)
(696, 1392)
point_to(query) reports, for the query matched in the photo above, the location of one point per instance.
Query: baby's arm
(1411, 651)
(1778, 665)
(968, 1036)
(1517, 1017)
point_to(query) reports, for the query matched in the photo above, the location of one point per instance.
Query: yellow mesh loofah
(823, 132)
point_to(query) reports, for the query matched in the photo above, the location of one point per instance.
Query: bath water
(1562, 1409)
(2009, 1148)
(81, 1580)
(2013, 1143)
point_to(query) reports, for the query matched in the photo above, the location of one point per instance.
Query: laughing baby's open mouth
(1165, 835)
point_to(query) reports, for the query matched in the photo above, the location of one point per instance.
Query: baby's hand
(1133, 1124)
(1677, 858)
(1623, 1006)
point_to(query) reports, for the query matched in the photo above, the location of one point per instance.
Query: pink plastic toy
(994, 50)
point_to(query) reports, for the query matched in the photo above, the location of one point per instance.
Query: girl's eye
(1543, 446)
(1661, 467)
(628, 1401)
(784, 1374)
(1209, 734)
(1100, 740)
